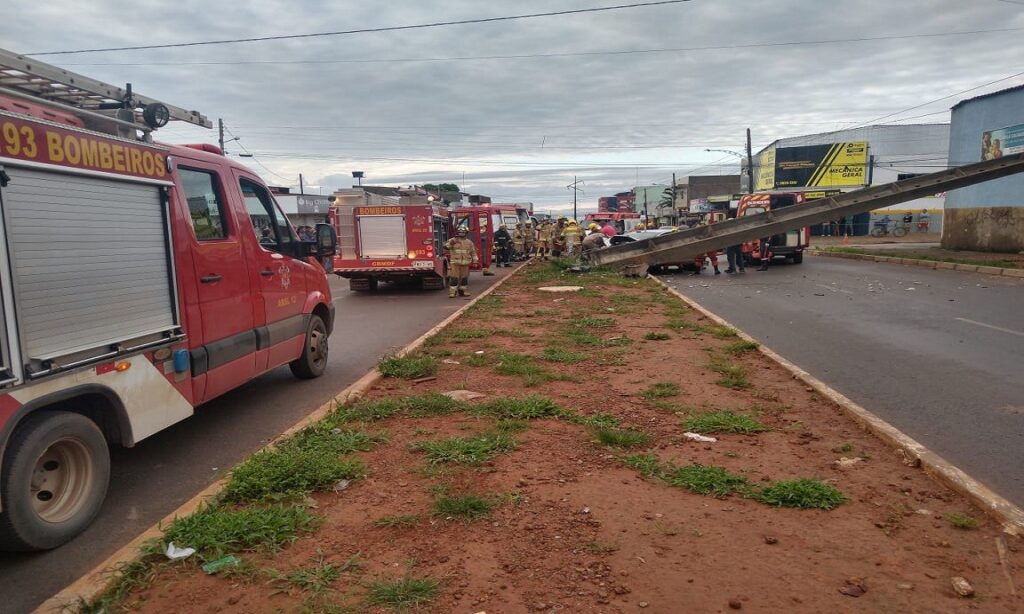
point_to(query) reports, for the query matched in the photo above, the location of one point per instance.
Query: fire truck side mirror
(326, 240)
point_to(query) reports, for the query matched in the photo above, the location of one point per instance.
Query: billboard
(831, 165)
(1002, 142)
(765, 179)
(308, 203)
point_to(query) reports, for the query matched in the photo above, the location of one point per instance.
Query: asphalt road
(938, 354)
(152, 479)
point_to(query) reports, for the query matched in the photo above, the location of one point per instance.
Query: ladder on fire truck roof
(27, 78)
(687, 244)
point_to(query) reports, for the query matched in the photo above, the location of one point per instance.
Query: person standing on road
(765, 245)
(529, 239)
(734, 254)
(544, 239)
(518, 241)
(503, 243)
(461, 254)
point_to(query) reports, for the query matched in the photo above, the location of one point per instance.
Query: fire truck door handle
(211, 279)
(267, 273)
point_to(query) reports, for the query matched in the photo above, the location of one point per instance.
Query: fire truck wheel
(798, 257)
(313, 360)
(55, 475)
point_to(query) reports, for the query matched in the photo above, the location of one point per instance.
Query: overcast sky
(519, 129)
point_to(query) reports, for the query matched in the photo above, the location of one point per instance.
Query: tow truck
(137, 281)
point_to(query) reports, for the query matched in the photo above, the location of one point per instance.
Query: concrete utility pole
(300, 184)
(672, 205)
(220, 131)
(750, 166)
(575, 191)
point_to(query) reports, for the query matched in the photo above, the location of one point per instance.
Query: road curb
(914, 453)
(96, 580)
(927, 264)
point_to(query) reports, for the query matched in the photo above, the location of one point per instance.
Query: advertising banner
(309, 203)
(1002, 142)
(828, 166)
(765, 179)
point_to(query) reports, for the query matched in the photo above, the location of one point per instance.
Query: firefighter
(530, 239)
(571, 235)
(518, 241)
(557, 240)
(503, 243)
(461, 253)
(594, 240)
(544, 239)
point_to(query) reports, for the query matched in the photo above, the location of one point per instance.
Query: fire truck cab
(137, 281)
(789, 245)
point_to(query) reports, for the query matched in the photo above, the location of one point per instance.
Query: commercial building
(988, 216)
(855, 158)
(701, 193)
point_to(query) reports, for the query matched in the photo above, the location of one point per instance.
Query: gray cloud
(611, 119)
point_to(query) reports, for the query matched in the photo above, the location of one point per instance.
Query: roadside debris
(449, 361)
(699, 437)
(463, 395)
(178, 554)
(962, 586)
(341, 485)
(845, 463)
(560, 288)
(219, 565)
(854, 587)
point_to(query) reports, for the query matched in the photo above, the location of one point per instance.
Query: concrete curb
(927, 264)
(913, 453)
(93, 583)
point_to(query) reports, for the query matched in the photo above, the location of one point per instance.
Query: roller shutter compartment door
(90, 261)
(382, 236)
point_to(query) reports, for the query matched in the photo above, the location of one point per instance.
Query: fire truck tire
(798, 257)
(313, 360)
(55, 476)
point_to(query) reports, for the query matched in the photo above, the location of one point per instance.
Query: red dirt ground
(585, 533)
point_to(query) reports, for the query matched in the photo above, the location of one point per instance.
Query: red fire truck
(789, 245)
(137, 281)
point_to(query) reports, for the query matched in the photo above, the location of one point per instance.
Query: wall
(988, 216)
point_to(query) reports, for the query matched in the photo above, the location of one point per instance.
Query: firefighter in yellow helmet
(461, 253)
(592, 228)
(573, 238)
(545, 235)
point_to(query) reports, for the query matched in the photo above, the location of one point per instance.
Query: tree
(667, 198)
(440, 187)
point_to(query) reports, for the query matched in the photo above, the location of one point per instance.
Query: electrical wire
(568, 54)
(436, 24)
(254, 158)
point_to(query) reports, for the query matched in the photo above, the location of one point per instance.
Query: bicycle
(881, 229)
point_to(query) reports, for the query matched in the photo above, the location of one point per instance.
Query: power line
(436, 24)
(254, 158)
(524, 56)
(977, 87)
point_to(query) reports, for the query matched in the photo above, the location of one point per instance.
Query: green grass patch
(544, 313)
(583, 337)
(621, 438)
(741, 346)
(846, 448)
(646, 464)
(467, 450)
(706, 480)
(512, 332)
(403, 594)
(128, 577)
(562, 355)
(678, 324)
(397, 522)
(287, 472)
(531, 407)
(479, 360)
(511, 427)
(733, 376)
(598, 421)
(962, 521)
(724, 421)
(466, 507)
(622, 298)
(215, 532)
(653, 336)
(724, 332)
(510, 363)
(468, 334)
(316, 578)
(407, 367)
(433, 404)
(660, 390)
(329, 436)
(592, 322)
(802, 494)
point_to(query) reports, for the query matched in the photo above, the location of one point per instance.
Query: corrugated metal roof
(989, 95)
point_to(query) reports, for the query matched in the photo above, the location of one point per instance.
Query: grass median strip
(217, 531)
(467, 450)
(403, 594)
(407, 367)
(723, 421)
(464, 507)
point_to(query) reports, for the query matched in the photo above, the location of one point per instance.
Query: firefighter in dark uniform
(503, 243)
(461, 253)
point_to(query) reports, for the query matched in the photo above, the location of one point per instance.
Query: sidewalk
(619, 453)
